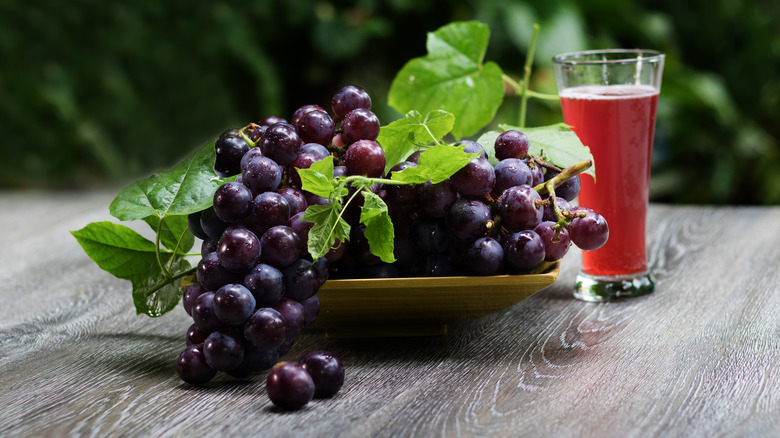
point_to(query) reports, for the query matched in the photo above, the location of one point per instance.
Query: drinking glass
(609, 98)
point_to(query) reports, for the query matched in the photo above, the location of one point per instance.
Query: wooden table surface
(698, 358)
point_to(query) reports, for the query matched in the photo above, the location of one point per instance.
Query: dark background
(95, 93)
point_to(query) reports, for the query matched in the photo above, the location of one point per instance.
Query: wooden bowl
(387, 307)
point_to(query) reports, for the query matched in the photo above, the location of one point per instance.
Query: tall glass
(609, 98)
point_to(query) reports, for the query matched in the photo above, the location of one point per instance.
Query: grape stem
(550, 185)
(522, 87)
(157, 233)
(170, 279)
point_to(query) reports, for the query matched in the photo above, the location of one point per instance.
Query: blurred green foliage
(96, 93)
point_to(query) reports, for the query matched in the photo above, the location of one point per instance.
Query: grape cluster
(483, 220)
(256, 284)
(256, 287)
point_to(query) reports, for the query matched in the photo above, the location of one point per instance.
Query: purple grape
(262, 174)
(325, 370)
(281, 143)
(339, 171)
(238, 249)
(259, 360)
(193, 291)
(212, 275)
(436, 199)
(518, 208)
(317, 149)
(523, 250)
(589, 232)
(266, 284)
(537, 173)
(249, 156)
(203, 313)
(321, 267)
(511, 144)
(193, 223)
(359, 124)
(316, 127)
(255, 360)
(472, 147)
(223, 351)
(233, 304)
(281, 246)
(301, 228)
(485, 256)
(295, 120)
(556, 242)
(402, 194)
(271, 120)
(415, 157)
(294, 315)
(195, 335)
(208, 246)
(311, 308)
(365, 157)
(211, 224)
(269, 209)
(265, 329)
(301, 280)
(256, 134)
(232, 202)
(289, 386)
(468, 219)
(295, 200)
(509, 173)
(192, 367)
(475, 179)
(348, 99)
(229, 148)
(313, 199)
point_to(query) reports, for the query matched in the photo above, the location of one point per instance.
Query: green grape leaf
(318, 179)
(379, 228)
(436, 164)
(452, 77)
(174, 232)
(186, 188)
(401, 137)
(126, 254)
(328, 227)
(560, 145)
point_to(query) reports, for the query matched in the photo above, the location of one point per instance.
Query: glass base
(603, 289)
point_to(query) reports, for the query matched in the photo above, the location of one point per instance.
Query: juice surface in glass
(617, 123)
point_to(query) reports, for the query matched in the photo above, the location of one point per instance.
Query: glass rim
(582, 57)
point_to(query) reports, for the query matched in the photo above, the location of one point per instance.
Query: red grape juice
(617, 123)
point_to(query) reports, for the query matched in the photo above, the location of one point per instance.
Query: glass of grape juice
(609, 98)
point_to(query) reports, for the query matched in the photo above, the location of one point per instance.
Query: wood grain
(697, 358)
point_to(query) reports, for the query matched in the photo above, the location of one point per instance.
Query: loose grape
(325, 370)
(289, 386)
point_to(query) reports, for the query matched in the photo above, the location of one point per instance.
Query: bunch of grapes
(257, 284)
(483, 220)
